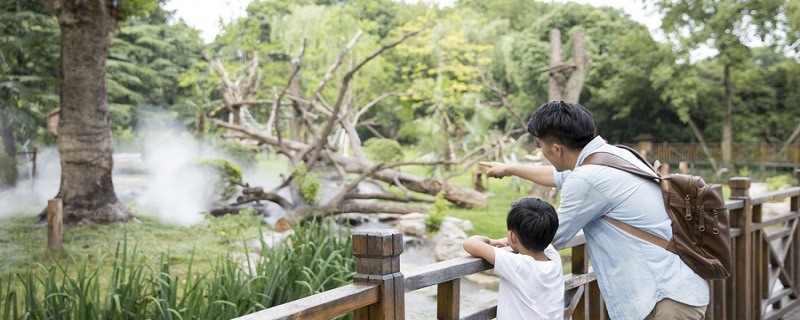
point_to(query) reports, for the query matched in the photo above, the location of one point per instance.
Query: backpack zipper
(701, 197)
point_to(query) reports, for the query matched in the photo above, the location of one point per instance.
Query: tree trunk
(84, 139)
(575, 84)
(295, 125)
(727, 139)
(446, 131)
(9, 145)
(556, 82)
(699, 135)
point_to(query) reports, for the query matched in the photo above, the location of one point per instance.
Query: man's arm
(542, 175)
(480, 246)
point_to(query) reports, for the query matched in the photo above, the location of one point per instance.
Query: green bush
(777, 182)
(316, 258)
(383, 150)
(308, 183)
(224, 172)
(437, 214)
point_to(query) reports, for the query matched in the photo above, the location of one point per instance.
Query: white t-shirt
(529, 289)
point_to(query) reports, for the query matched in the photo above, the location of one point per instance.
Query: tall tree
(724, 25)
(84, 139)
(28, 48)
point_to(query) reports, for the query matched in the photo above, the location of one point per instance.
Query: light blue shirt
(632, 274)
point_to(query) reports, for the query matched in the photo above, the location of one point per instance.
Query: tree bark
(9, 143)
(380, 207)
(727, 139)
(556, 81)
(84, 139)
(575, 84)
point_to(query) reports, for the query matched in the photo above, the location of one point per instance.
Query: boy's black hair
(534, 221)
(568, 123)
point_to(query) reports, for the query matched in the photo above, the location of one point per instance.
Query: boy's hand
(499, 243)
(496, 169)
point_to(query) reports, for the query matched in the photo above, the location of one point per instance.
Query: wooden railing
(761, 154)
(764, 282)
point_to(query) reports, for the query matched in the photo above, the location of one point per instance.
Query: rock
(465, 225)
(448, 248)
(450, 229)
(409, 227)
(414, 216)
(271, 239)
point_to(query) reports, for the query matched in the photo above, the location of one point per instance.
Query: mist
(155, 178)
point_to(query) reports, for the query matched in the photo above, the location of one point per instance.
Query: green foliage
(316, 258)
(745, 171)
(307, 183)
(8, 170)
(435, 216)
(383, 150)
(239, 152)
(125, 139)
(224, 172)
(775, 183)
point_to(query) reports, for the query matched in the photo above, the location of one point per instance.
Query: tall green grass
(317, 257)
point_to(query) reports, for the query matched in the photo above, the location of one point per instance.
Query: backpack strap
(617, 162)
(614, 161)
(641, 234)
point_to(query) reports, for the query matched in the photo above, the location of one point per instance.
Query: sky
(206, 14)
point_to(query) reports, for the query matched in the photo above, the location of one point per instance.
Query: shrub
(307, 183)
(383, 150)
(224, 172)
(436, 215)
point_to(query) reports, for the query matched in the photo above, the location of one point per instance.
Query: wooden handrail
(323, 305)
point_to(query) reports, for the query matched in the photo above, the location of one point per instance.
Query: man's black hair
(534, 222)
(568, 123)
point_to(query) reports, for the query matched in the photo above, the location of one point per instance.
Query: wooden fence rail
(755, 154)
(764, 282)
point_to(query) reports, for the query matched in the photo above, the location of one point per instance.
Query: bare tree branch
(386, 196)
(276, 104)
(332, 69)
(378, 99)
(488, 81)
(339, 197)
(322, 141)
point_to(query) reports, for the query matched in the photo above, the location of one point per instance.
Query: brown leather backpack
(700, 229)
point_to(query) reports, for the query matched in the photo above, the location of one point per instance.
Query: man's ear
(558, 149)
(512, 238)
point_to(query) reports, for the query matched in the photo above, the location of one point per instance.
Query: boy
(531, 282)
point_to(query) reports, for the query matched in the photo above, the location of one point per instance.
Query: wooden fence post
(741, 282)
(55, 224)
(377, 255)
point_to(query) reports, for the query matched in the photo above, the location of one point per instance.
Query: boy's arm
(480, 246)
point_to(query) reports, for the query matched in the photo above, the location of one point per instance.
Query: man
(637, 279)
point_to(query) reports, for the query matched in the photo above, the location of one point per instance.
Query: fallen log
(380, 207)
(464, 197)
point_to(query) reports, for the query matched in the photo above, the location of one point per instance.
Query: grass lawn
(23, 244)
